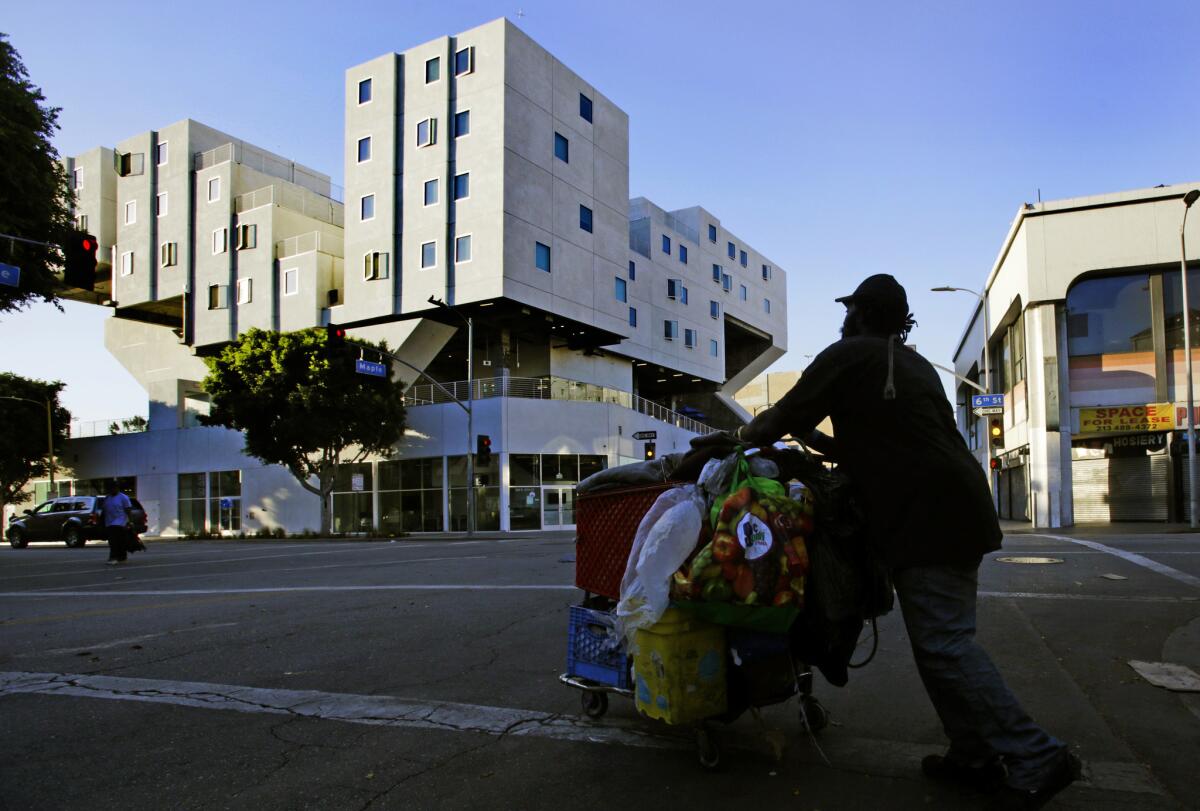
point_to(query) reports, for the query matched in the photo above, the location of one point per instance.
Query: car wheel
(17, 539)
(74, 538)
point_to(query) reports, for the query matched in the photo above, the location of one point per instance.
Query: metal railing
(269, 165)
(552, 388)
(315, 206)
(312, 241)
(120, 425)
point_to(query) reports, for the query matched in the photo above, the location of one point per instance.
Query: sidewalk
(1122, 528)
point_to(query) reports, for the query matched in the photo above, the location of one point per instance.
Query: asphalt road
(423, 674)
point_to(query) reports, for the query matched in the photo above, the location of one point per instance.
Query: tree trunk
(326, 511)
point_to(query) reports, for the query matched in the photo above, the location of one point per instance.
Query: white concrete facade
(1083, 309)
(570, 291)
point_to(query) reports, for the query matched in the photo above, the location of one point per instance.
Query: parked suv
(72, 519)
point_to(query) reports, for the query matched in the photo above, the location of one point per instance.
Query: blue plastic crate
(592, 652)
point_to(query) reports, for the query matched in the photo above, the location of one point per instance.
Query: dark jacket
(926, 496)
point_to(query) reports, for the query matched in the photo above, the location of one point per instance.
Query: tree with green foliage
(24, 445)
(303, 409)
(35, 198)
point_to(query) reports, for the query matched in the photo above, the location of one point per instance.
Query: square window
(217, 297)
(78, 175)
(683, 254)
(743, 259)
(462, 249)
(712, 233)
(131, 212)
(683, 295)
(714, 309)
(717, 272)
(670, 330)
(732, 251)
(214, 189)
(364, 91)
(428, 255)
(714, 348)
(672, 289)
(620, 289)
(632, 271)
(585, 108)
(167, 254)
(666, 244)
(220, 241)
(160, 153)
(427, 132)
(726, 282)
(541, 256)
(742, 292)
(766, 273)
(247, 237)
(462, 123)
(689, 338)
(633, 316)
(366, 208)
(464, 61)
(364, 149)
(245, 288)
(375, 266)
(160, 204)
(585, 218)
(291, 281)
(766, 305)
(462, 186)
(127, 263)
(431, 192)
(562, 148)
(433, 69)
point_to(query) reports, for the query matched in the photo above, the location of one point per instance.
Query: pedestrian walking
(117, 523)
(932, 519)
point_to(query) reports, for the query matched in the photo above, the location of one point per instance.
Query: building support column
(1049, 417)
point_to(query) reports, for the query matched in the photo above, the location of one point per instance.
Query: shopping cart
(761, 668)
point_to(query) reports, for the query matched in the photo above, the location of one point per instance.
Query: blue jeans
(981, 717)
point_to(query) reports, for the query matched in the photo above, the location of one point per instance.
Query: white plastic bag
(666, 536)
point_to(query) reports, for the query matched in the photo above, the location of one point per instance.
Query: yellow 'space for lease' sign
(1110, 419)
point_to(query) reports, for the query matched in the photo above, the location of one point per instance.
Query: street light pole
(987, 363)
(1188, 199)
(470, 412)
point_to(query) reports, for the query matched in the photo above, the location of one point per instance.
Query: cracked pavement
(345, 688)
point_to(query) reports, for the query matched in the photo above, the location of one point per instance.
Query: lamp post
(470, 413)
(49, 433)
(1188, 199)
(987, 363)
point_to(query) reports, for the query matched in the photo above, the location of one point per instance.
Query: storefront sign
(1136, 444)
(1123, 419)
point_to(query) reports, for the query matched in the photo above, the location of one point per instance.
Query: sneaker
(1066, 772)
(988, 777)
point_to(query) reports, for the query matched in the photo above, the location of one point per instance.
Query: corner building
(482, 172)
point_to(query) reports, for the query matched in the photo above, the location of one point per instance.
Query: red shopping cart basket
(605, 524)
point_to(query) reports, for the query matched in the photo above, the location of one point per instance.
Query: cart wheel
(813, 716)
(708, 751)
(595, 704)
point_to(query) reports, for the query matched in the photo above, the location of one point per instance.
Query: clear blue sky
(841, 139)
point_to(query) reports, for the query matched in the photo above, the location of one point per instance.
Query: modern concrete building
(1084, 319)
(480, 171)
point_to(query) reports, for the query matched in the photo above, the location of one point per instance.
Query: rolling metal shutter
(1013, 492)
(1131, 488)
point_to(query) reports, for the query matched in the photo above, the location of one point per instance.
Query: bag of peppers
(755, 559)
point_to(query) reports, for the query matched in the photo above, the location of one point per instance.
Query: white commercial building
(1084, 322)
(481, 171)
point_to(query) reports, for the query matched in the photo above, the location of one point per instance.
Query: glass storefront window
(410, 495)
(1110, 315)
(1173, 307)
(589, 464)
(525, 507)
(524, 469)
(487, 476)
(562, 468)
(487, 509)
(225, 500)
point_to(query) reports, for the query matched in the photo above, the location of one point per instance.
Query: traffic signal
(335, 337)
(996, 432)
(994, 463)
(79, 260)
(483, 450)
(649, 451)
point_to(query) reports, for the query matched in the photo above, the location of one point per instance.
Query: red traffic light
(87, 244)
(994, 463)
(79, 260)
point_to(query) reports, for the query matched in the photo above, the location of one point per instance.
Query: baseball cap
(881, 288)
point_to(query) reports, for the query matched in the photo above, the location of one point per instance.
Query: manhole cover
(1029, 560)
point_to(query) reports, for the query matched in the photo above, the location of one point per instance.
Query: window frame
(161, 204)
(466, 179)
(247, 236)
(245, 290)
(470, 52)
(214, 183)
(458, 260)
(431, 133)
(565, 155)
(585, 103)
(376, 265)
(712, 233)
(767, 306)
(436, 192)
(436, 63)
(223, 231)
(766, 273)
(537, 252)
(633, 317)
(218, 297)
(370, 87)
(683, 254)
(621, 289)
(714, 309)
(294, 275)
(732, 251)
(126, 266)
(433, 263)
(458, 133)
(77, 176)
(366, 139)
(586, 218)
(670, 329)
(714, 348)
(168, 254)
(632, 271)
(362, 207)
(689, 338)
(130, 212)
(743, 258)
(161, 153)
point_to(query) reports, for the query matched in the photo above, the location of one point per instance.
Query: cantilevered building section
(482, 172)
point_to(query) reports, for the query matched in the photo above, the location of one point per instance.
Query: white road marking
(1034, 595)
(286, 589)
(876, 756)
(116, 643)
(1130, 557)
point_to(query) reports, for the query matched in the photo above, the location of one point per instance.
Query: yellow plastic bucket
(679, 669)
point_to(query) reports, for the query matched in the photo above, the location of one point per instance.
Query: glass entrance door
(558, 507)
